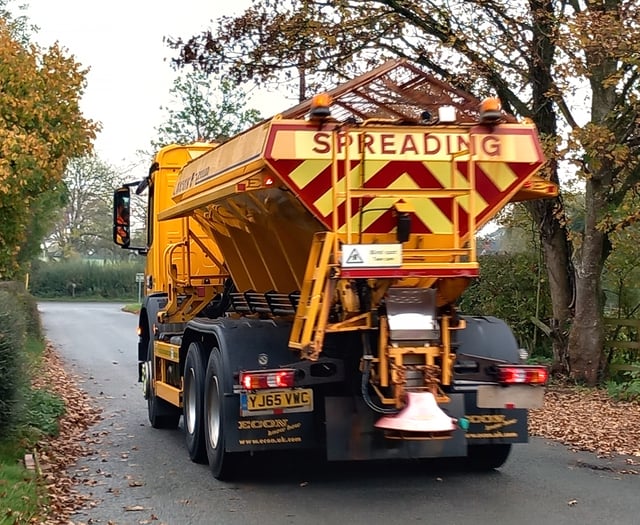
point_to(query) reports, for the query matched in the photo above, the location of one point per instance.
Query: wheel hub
(213, 412)
(190, 401)
(146, 379)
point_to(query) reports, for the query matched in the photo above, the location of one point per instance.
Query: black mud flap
(283, 431)
(493, 426)
(251, 344)
(351, 434)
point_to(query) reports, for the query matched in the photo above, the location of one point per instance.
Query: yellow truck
(302, 278)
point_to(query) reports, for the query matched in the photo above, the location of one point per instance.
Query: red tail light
(523, 375)
(257, 380)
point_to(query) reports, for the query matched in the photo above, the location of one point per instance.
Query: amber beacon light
(490, 111)
(320, 106)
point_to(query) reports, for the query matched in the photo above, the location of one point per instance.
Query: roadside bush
(625, 386)
(85, 279)
(27, 414)
(13, 329)
(27, 305)
(507, 289)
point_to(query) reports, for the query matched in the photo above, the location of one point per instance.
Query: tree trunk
(548, 214)
(586, 338)
(559, 271)
(555, 244)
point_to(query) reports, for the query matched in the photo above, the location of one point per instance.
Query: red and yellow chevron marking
(433, 160)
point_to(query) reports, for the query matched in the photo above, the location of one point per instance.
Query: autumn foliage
(41, 128)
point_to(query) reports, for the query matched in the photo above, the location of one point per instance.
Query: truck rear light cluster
(522, 375)
(261, 379)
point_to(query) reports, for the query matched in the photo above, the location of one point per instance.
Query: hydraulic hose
(366, 374)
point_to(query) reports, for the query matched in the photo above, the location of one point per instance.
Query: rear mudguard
(488, 425)
(492, 339)
(245, 344)
(486, 337)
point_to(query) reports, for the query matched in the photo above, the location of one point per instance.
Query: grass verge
(132, 308)
(22, 497)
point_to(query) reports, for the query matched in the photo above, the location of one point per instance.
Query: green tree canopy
(202, 110)
(83, 227)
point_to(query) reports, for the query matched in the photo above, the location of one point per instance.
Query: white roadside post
(139, 280)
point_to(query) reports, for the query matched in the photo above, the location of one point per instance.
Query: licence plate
(513, 396)
(276, 401)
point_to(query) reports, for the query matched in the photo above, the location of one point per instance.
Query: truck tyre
(221, 462)
(161, 413)
(194, 371)
(487, 457)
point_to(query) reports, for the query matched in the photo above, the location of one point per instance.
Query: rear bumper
(347, 430)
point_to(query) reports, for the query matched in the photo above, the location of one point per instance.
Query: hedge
(85, 279)
(18, 318)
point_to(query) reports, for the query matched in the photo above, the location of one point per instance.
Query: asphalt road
(141, 475)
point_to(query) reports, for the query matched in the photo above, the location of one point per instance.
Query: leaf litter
(588, 420)
(583, 419)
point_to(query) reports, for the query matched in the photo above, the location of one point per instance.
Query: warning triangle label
(354, 257)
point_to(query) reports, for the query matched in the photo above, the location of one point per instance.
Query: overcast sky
(130, 78)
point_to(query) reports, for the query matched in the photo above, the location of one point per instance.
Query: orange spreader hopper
(429, 168)
(270, 190)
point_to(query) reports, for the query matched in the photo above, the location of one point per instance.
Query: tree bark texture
(560, 274)
(557, 254)
(586, 338)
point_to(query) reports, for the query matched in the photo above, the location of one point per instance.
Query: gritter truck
(302, 277)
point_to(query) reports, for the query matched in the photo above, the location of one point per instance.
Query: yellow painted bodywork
(234, 212)
(266, 233)
(166, 378)
(182, 259)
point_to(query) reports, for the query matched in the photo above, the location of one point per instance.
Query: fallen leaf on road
(135, 508)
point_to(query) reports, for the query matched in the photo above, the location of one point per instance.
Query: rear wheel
(221, 462)
(161, 413)
(487, 457)
(194, 372)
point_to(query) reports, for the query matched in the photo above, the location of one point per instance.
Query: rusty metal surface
(395, 90)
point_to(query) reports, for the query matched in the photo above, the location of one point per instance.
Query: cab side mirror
(122, 216)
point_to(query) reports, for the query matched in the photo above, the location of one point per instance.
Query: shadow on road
(304, 467)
